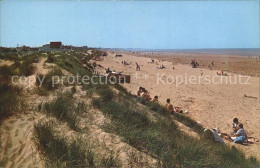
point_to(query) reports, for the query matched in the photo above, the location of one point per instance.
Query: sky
(131, 24)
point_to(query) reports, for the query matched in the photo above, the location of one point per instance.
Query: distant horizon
(131, 24)
(127, 48)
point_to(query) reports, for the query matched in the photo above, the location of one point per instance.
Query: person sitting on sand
(145, 95)
(155, 99)
(178, 109)
(169, 107)
(161, 67)
(240, 135)
(108, 71)
(235, 126)
(139, 91)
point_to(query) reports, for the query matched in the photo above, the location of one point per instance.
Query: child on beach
(235, 126)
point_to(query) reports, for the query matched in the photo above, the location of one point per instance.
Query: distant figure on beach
(137, 67)
(161, 67)
(155, 99)
(201, 72)
(169, 107)
(212, 63)
(194, 64)
(240, 135)
(173, 67)
(108, 71)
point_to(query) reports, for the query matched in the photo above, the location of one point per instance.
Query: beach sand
(211, 104)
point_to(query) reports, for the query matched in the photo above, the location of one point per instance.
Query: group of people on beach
(144, 94)
(237, 135)
(238, 132)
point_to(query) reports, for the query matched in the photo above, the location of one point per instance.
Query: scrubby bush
(105, 92)
(6, 72)
(48, 80)
(27, 70)
(50, 59)
(10, 102)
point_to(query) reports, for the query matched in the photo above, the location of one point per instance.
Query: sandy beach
(210, 102)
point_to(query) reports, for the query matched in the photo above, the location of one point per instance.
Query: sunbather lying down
(161, 67)
(178, 110)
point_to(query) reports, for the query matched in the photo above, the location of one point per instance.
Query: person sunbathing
(169, 107)
(178, 109)
(139, 91)
(155, 99)
(145, 95)
(240, 135)
(161, 67)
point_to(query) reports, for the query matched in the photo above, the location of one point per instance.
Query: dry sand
(213, 105)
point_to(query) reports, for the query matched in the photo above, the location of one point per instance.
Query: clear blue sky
(132, 24)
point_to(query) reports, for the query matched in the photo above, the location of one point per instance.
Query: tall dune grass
(59, 152)
(161, 138)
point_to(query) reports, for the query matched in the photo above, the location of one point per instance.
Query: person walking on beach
(201, 72)
(137, 67)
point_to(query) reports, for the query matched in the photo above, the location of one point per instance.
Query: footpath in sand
(211, 104)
